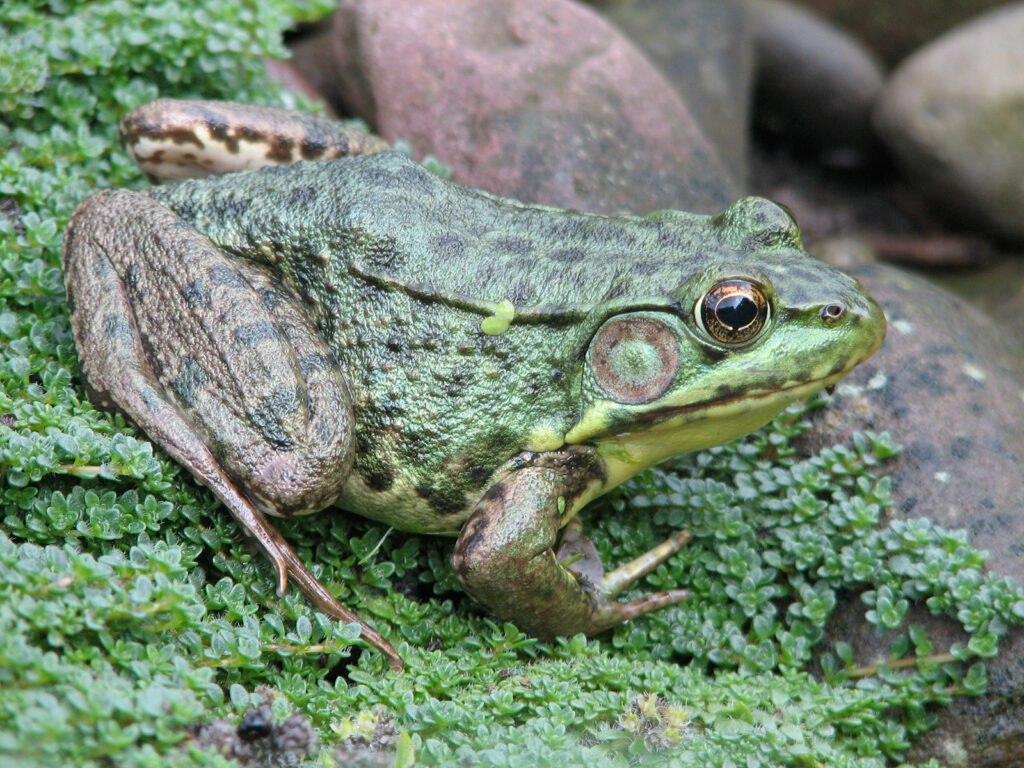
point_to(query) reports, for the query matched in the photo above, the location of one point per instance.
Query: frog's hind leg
(217, 364)
(182, 138)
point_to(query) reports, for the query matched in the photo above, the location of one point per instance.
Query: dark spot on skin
(219, 126)
(518, 246)
(101, 267)
(621, 288)
(646, 267)
(197, 295)
(116, 326)
(234, 206)
(324, 430)
(70, 297)
(131, 276)
(301, 197)
(250, 335)
(468, 472)
(383, 254)
(521, 264)
(837, 367)
(473, 533)
(377, 177)
(443, 498)
(395, 344)
(714, 354)
(416, 177)
(179, 136)
(279, 149)
(671, 238)
(190, 381)
(376, 472)
(379, 479)
(496, 493)
(268, 416)
(230, 278)
(569, 255)
(313, 146)
(316, 362)
(271, 297)
(449, 246)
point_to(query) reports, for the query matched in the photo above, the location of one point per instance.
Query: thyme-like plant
(132, 612)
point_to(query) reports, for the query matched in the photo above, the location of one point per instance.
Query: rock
(286, 74)
(893, 28)
(542, 101)
(705, 48)
(816, 86)
(948, 386)
(953, 117)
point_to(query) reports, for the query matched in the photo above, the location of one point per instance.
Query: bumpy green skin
(363, 332)
(399, 268)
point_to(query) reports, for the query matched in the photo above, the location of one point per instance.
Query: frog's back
(390, 220)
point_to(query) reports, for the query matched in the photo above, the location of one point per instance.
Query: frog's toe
(616, 581)
(611, 614)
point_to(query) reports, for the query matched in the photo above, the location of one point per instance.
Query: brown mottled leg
(217, 365)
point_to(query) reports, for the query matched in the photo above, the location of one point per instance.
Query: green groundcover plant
(132, 612)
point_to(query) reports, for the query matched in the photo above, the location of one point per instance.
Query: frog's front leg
(218, 364)
(506, 560)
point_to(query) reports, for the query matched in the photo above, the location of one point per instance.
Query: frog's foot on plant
(505, 555)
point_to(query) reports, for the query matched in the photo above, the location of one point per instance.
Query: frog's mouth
(660, 434)
(750, 401)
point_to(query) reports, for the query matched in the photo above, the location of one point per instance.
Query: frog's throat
(669, 432)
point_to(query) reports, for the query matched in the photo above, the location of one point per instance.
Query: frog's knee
(289, 484)
(102, 224)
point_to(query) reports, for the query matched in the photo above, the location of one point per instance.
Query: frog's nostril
(832, 312)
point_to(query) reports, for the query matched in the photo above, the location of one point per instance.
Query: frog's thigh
(212, 359)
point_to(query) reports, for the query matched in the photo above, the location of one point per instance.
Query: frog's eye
(634, 359)
(733, 311)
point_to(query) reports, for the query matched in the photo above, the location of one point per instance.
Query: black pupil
(736, 311)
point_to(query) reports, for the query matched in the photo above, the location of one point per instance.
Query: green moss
(130, 607)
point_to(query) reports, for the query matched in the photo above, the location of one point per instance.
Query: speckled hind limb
(218, 365)
(505, 556)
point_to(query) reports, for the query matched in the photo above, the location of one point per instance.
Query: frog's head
(759, 325)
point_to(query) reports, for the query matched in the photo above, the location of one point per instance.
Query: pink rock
(541, 100)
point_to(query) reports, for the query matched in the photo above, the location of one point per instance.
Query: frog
(319, 322)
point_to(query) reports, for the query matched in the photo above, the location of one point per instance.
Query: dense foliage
(131, 610)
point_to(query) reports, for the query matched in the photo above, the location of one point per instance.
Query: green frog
(354, 331)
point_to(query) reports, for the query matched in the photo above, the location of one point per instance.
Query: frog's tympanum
(358, 332)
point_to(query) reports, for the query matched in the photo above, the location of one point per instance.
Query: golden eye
(733, 311)
(634, 359)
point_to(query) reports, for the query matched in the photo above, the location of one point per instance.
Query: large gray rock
(953, 116)
(947, 385)
(543, 101)
(816, 85)
(894, 28)
(705, 48)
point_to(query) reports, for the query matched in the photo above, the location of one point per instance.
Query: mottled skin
(315, 334)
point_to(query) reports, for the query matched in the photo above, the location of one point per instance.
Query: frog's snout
(861, 314)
